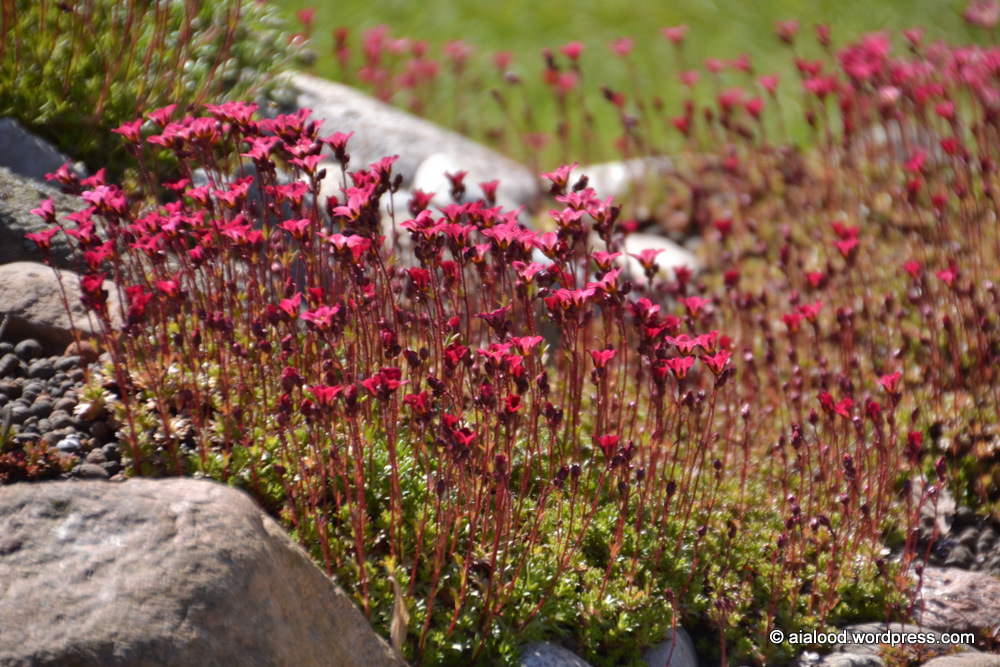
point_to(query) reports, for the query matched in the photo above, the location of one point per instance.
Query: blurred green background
(721, 29)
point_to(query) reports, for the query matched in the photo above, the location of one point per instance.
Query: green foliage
(73, 71)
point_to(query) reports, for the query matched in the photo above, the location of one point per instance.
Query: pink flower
(891, 382)
(717, 362)
(46, 211)
(602, 357)
(43, 239)
(679, 366)
(675, 34)
(572, 50)
(786, 30)
(622, 46)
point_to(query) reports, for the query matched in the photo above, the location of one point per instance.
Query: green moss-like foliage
(74, 70)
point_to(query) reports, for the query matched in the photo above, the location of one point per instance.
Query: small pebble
(76, 375)
(42, 407)
(11, 388)
(969, 537)
(95, 456)
(10, 365)
(60, 419)
(100, 431)
(28, 349)
(65, 364)
(66, 404)
(111, 452)
(6, 348)
(84, 350)
(44, 425)
(959, 556)
(19, 413)
(41, 369)
(52, 438)
(91, 471)
(69, 445)
(33, 390)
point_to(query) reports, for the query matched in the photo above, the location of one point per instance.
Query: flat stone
(165, 572)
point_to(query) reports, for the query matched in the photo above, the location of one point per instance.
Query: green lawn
(722, 29)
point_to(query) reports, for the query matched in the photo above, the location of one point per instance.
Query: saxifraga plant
(409, 419)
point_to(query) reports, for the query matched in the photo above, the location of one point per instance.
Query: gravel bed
(40, 398)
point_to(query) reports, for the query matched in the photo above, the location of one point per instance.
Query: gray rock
(157, 572)
(18, 196)
(676, 651)
(27, 155)
(544, 654)
(381, 130)
(30, 294)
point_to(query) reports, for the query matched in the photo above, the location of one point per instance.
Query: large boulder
(27, 155)
(381, 130)
(165, 572)
(18, 195)
(32, 299)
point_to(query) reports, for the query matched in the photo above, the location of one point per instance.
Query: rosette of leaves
(73, 70)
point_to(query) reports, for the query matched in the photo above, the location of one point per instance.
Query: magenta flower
(325, 394)
(43, 239)
(572, 50)
(891, 382)
(675, 34)
(716, 362)
(602, 357)
(679, 366)
(622, 47)
(46, 211)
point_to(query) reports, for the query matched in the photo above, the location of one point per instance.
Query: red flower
(693, 304)
(572, 50)
(675, 34)
(608, 444)
(43, 238)
(418, 403)
(717, 362)
(602, 357)
(679, 366)
(622, 47)
(891, 382)
(325, 394)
